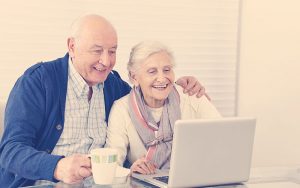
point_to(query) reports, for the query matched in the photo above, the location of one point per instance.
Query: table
(266, 177)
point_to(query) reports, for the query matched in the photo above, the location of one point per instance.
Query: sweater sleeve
(24, 118)
(117, 133)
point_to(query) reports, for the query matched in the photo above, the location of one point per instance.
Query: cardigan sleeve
(117, 136)
(24, 118)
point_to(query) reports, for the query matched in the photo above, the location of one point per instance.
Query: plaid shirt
(85, 126)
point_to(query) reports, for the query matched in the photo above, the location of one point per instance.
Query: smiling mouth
(100, 69)
(160, 87)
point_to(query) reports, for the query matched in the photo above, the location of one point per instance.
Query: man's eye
(112, 52)
(97, 51)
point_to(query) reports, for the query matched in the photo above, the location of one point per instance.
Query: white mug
(104, 164)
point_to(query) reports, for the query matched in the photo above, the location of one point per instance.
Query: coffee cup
(104, 164)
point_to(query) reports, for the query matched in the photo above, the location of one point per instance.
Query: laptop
(207, 152)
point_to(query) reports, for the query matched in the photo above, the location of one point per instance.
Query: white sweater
(121, 133)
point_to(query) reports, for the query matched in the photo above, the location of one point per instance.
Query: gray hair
(140, 52)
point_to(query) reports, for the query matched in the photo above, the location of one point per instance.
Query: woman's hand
(143, 166)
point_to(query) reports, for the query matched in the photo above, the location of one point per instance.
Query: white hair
(141, 51)
(77, 25)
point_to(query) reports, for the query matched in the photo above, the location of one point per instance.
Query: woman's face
(155, 77)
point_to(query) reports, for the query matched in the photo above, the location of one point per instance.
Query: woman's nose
(161, 77)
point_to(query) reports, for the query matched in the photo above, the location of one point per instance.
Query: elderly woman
(141, 123)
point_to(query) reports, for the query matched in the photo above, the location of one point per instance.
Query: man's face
(93, 53)
(155, 77)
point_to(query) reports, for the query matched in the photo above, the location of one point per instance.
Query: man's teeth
(99, 69)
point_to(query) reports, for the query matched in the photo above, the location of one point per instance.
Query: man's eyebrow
(96, 46)
(99, 46)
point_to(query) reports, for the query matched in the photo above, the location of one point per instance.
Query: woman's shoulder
(193, 102)
(122, 102)
(119, 110)
(200, 107)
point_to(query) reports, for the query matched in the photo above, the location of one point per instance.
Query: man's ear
(132, 77)
(71, 46)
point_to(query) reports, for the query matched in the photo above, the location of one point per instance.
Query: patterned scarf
(157, 137)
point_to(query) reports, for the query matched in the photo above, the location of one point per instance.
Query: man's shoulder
(46, 67)
(116, 83)
(115, 76)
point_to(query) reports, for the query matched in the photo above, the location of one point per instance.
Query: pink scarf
(157, 137)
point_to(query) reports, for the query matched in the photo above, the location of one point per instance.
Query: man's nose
(104, 59)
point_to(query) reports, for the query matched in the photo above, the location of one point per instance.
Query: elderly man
(57, 111)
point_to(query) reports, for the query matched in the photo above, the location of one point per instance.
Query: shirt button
(48, 151)
(58, 127)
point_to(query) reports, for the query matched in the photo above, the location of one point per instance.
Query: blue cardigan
(34, 120)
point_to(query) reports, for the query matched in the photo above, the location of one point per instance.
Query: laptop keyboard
(164, 179)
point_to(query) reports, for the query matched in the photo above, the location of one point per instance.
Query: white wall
(202, 34)
(269, 54)
(269, 76)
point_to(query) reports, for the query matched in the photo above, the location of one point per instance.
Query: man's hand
(191, 86)
(73, 169)
(143, 166)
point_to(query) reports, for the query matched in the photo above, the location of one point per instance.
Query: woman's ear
(132, 77)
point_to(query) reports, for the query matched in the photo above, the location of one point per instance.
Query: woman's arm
(116, 132)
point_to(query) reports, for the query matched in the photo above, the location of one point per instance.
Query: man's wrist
(56, 173)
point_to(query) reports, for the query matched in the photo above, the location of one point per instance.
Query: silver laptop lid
(211, 151)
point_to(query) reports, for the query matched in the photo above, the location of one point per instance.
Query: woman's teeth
(160, 86)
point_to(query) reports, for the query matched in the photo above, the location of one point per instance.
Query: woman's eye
(151, 71)
(167, 70)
